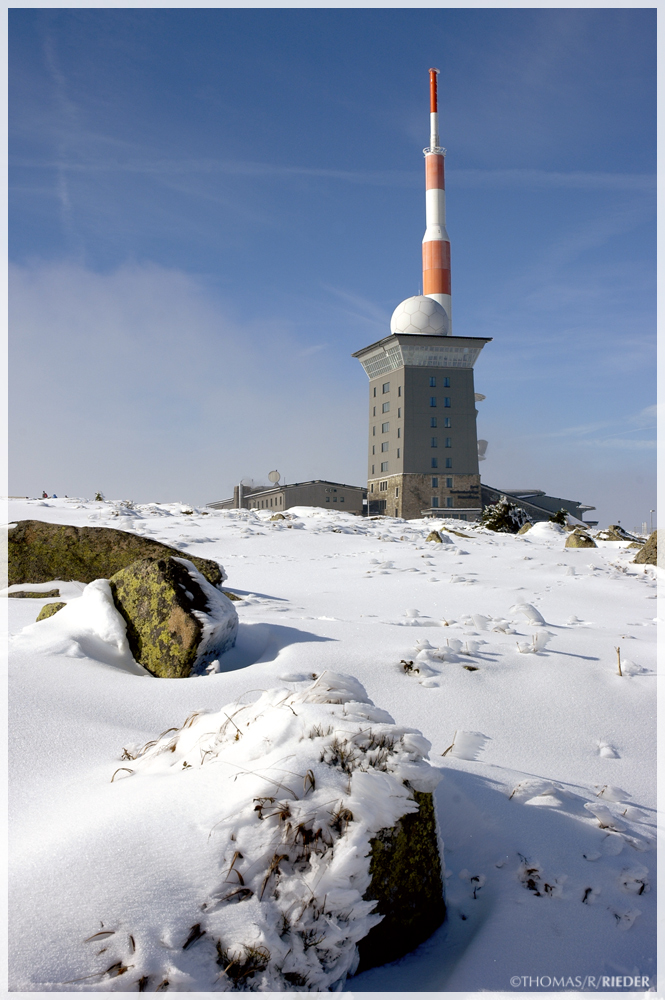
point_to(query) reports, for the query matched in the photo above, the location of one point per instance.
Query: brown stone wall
(416, 492)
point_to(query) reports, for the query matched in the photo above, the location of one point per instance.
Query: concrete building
(537, 504)
(316, 493)
(423, 446)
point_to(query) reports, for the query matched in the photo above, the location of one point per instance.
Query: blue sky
(210, 210)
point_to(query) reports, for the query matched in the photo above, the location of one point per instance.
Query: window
(398, 453)
(399, 411)
(446, 401)
(386, 387)
(449, 463)
(432, 422)
(432, 401)
(447, 422)
(384, 466)
(374, 431)
(341, 499)
(435, 482)
(374, 449)
(435, 463)
(334, 499)
(375, 390)
(385, 408)
(449, 482)
(384, 446)
(383, 486)
(372, 470)
(432, 382)
(327, 499)
(399, 390)
(435, 501)
(449, 442)
(434, 442)
(449, 501)
(399, 432)
(446, 383)
(385, 428)
(396, 491)
(374, 411)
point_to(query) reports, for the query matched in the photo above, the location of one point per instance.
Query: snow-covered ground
(500, 646)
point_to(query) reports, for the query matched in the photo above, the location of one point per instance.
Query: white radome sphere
(420, 314)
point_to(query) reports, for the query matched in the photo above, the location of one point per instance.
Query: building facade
(423, 447)
(315, 493)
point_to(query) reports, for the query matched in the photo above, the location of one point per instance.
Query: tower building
(423, 447)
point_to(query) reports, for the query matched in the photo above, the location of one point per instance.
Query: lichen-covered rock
(433, 536)
(648, 554)
(39, 551)
(177, 622)
(38, 595)
(615, 533)
(525, 527)
(579, 540)
(50, 609)
(278, 517)
(406, 882)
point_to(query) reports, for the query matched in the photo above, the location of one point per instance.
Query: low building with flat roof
(315, 493)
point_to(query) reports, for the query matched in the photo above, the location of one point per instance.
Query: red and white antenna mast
(436, 244)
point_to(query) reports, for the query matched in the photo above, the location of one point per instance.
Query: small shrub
(503, 516)
(561, 517)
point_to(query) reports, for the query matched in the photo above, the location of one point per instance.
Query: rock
(278, 517)
(433, 536)
(525, 527)
(35, 594)
(50, 609)
(231, 596)
(406, 881)
(648, 554)
(615, 533)
(580, 540)
(39, 551)
(177, 622)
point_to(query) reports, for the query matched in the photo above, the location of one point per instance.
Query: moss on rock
(50, 609)
(39, 551)
(157, 598)
(407, 884)
(648, 553)
(579, 540)
(433, 536)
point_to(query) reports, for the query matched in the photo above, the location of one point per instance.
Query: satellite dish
(247, 481)
(482, 448)
(479, 397)
(273, 476)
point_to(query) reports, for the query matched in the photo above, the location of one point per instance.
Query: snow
(546, 802)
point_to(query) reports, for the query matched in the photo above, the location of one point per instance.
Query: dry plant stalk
(618, 652)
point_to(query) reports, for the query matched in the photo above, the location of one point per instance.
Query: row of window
(434, 464)
(432, 381)
(435, 501)
(385, 427)
(341, 499)
(384, 447)
(386, 409)
(386, 388)
(432, 401)
(383, 486)
(435, 443)
(447, 422)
